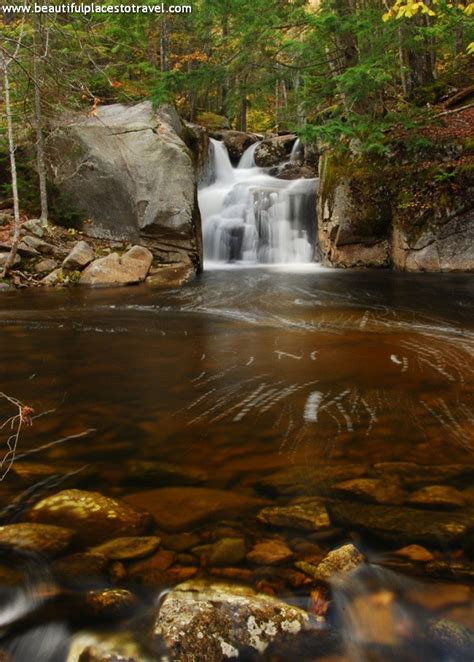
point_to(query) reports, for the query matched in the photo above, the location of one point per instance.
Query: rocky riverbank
(256, 573)
(126, 180)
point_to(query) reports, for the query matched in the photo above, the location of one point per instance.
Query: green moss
(213, 121)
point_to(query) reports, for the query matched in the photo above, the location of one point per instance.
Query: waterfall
(247, 159)
(296, 152)
(250, 217)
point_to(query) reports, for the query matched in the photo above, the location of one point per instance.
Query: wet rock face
(95, 517)
(353, 226)
(273, 151)
(129, 172)
(391, 214)
(215, 621)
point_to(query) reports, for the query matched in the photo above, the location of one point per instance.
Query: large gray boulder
(130, 176)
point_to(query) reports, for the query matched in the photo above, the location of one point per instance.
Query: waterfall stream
(250, 217)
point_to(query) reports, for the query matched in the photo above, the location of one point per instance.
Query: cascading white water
(296, 152)
(250, 217)
(247, 159)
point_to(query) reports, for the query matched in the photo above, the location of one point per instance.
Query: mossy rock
(213, 121)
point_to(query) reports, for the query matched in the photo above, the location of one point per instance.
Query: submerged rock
(112, 270)
(171, 275)
(309, 515)
(309, 480)
(455, 640)
(81, 570)
(80, 256)
(39, 538)
(270, 552)
(339, 561)
(104, 647)
(437, 496)
(414, 475)
(372, 489)
(181, 508)
(95, 517)
(163, 474)
(404, 525)
(130, 548)
(107, 604)
(227, 551)
(214, 621)
(415, 553)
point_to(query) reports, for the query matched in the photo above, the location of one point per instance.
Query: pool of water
(244, 372)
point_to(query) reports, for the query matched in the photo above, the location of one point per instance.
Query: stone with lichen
(214, 621)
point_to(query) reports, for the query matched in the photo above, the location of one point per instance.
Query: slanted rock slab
(437, 496)
(404, 525)
(80, 256)
(95, 517)
(308, 515)
(182, 508)
(213, 621)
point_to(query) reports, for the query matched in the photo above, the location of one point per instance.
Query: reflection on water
(246, 369)
(245, 372)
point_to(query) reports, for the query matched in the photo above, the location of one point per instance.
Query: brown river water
(243, 373)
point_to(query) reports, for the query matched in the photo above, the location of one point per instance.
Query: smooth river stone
(404, 525)
(39, 538)
(308, 515)
(95, 517)
(128, 548)
(182, 508)
(270, 552)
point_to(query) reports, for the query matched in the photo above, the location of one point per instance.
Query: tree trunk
(164, 45)
(39, 126)
(11, 149)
